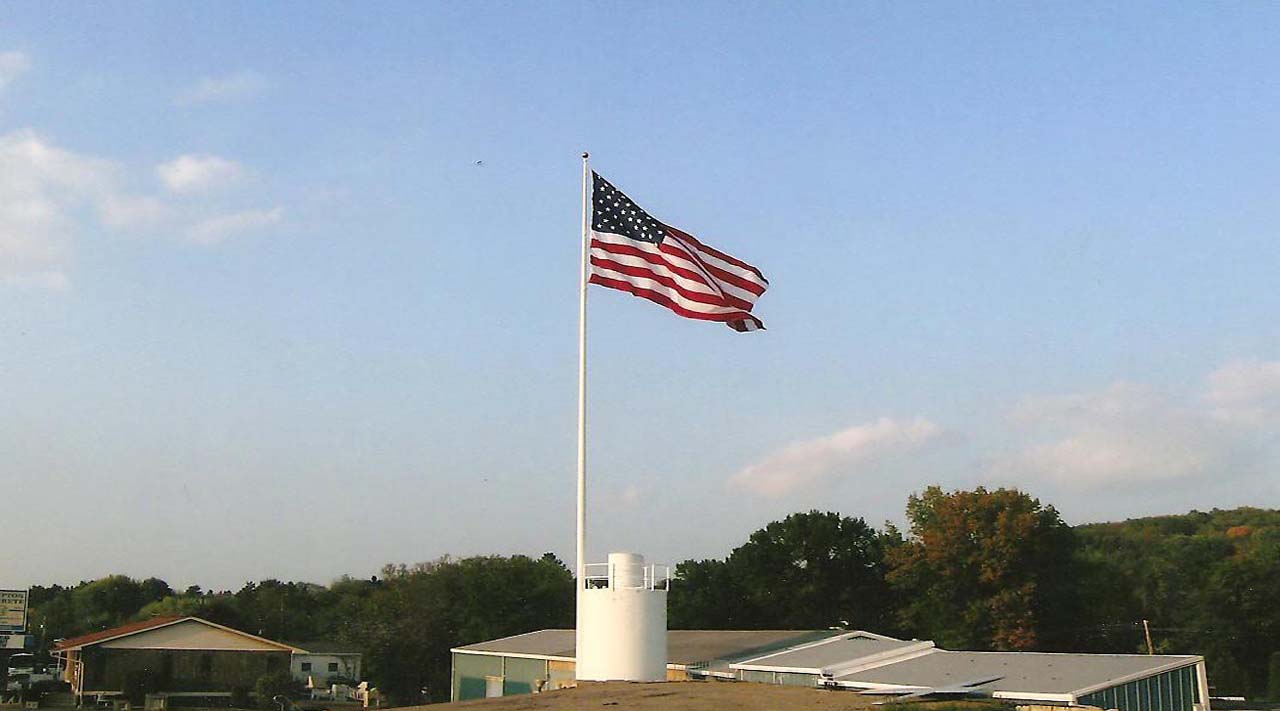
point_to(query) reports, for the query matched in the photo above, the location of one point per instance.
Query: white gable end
(195, 635)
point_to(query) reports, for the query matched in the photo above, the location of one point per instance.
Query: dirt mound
(679, 696)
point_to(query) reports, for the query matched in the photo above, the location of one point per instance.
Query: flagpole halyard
(583, 268)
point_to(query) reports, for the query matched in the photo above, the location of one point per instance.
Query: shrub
(273, 684)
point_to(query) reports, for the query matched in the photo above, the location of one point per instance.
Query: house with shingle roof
(172, 656)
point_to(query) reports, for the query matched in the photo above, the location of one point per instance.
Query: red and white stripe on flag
(677, 271)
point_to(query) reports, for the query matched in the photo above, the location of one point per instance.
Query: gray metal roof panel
(700, 646)
(839, 651)
(544, 643)
(1020, 671)
(684, 647)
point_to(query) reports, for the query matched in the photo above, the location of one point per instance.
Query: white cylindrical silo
(623, 623)
(627, 569)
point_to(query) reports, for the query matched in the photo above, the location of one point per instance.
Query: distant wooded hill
(974, 570)
(1232, 523)
(1208, 582)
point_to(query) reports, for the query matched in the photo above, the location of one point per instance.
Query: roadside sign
(13, 610)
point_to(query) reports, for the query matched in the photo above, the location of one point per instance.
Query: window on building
(333, 666)
(306, 666)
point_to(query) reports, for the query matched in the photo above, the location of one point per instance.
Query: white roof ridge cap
(881, 637)
(883, 659)
(798, 647)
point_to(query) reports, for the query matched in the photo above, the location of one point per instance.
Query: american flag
(632, 251)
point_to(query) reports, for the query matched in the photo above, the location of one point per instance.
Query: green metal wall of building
(784, 678)
(519, 675)
(794, 679)
(763, 677)
(469, 671)
(1174, 690)
(522, 675)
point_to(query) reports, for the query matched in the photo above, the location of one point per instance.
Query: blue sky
(264, 315)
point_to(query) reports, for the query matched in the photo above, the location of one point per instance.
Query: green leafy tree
(172, 606)
(983, 570)
(220, 608)
(409, 621)
(153, 589)
(281, 610)
(808, 571)
(53, 614)
(114, 599)
(1240, 602)
(1206, 580)
(811, 571)
(704, 596)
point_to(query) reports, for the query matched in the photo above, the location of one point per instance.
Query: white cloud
(1122, 400)
(241, 85)
(193, 173)
(50, 197)
(631, 495)
(42, 188)
(12, 65)
(1097, 457)
(216, 229)
(45, 281)
(33, 159)
(807, 462)
(126, 212)
(1126, 434)
(1245, 392)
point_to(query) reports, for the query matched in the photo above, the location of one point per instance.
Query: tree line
(980, 570)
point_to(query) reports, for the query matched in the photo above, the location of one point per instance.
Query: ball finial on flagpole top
(585, 154)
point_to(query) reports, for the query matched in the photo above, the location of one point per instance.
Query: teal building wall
(518, 674)
(1175, 690)
(784, 678)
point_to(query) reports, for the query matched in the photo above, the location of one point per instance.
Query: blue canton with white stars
(614, 212)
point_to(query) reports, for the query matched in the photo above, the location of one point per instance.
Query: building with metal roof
(856, 661)
(545, 659)
(832, 652)
(874, 664)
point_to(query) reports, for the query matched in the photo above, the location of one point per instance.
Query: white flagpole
(583, 269)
